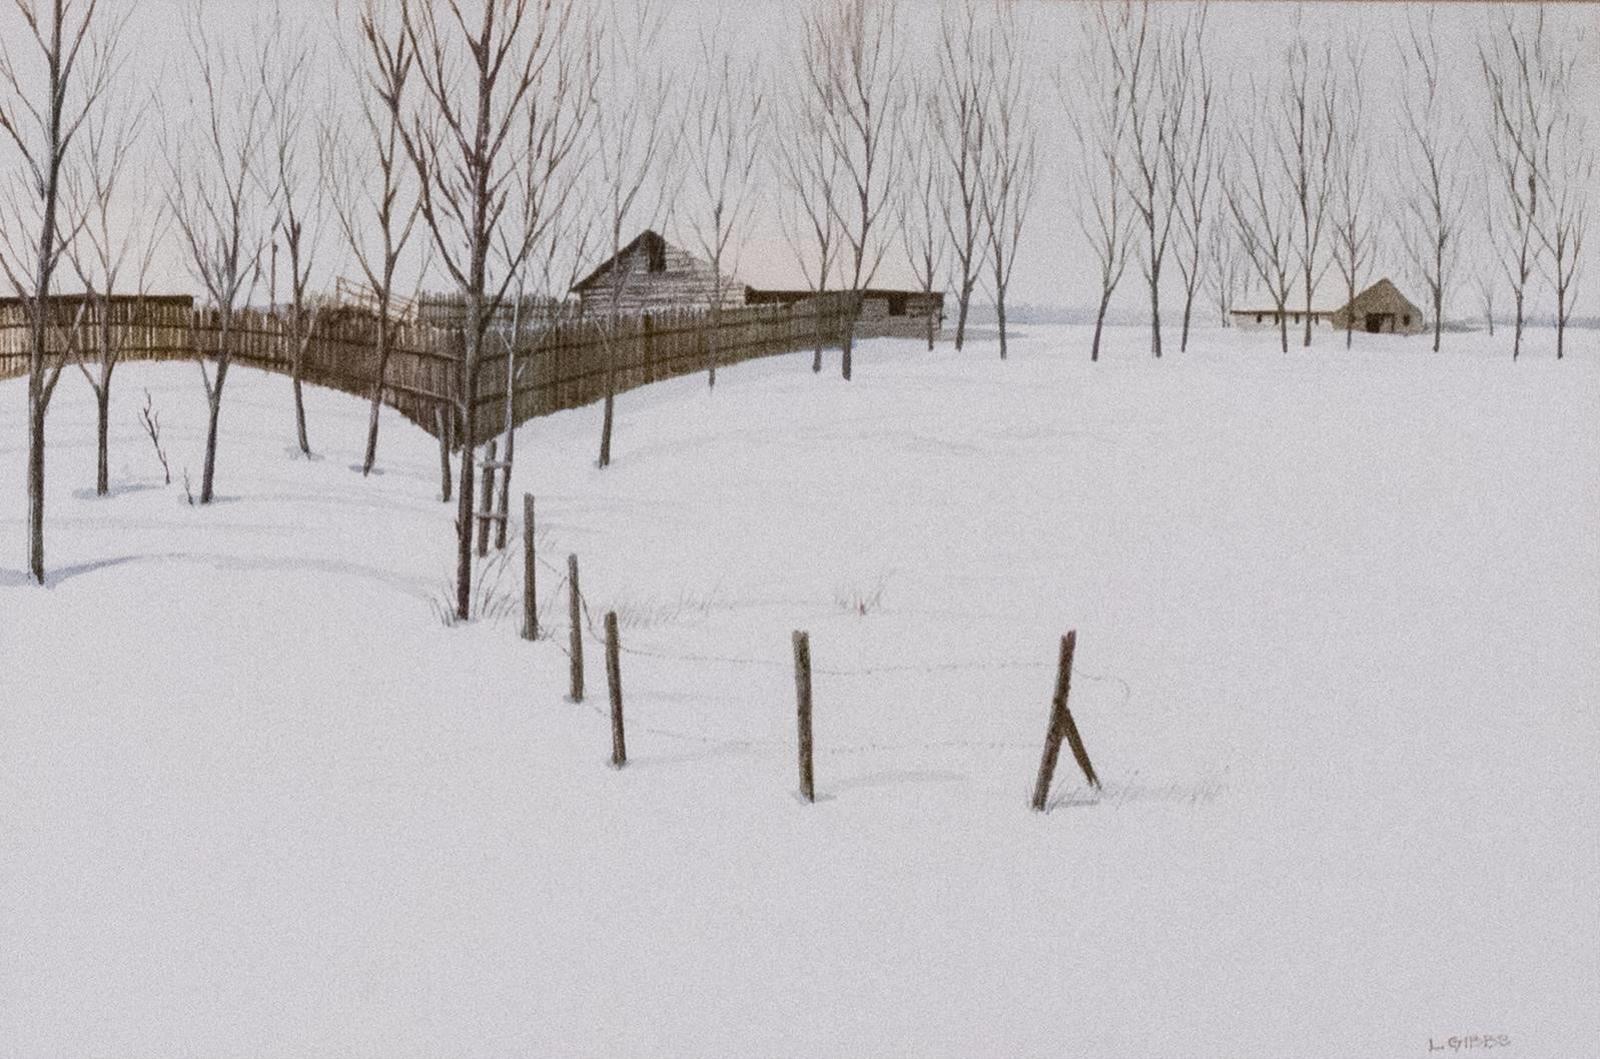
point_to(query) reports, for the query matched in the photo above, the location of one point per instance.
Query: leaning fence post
(802, 694)
(575, 648)
(530, 604)
(619, 746)
(1061, 725)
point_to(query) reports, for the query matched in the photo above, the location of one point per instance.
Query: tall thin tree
(851, 60)
(479, 69)
(47, 93)
(220, 198)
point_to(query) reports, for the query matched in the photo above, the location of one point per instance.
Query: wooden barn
(651, 274)
(901, 313)
(1381, 309)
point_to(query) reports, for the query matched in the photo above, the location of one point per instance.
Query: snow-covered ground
(1337, 668)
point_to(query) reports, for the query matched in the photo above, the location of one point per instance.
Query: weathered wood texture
(558, 366)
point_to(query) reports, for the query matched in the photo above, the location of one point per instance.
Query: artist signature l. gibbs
(1473, 1042)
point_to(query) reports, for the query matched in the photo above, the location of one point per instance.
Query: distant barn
(1380, 309)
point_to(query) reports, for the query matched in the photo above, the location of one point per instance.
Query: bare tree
(372, 200)
(1305, 150)
(219, 199)
(1542, 166)
(1566, 221)
(851, 60)
(1010, 174)
(113, 238)
(1226, 266)
(301, 193)
(1431, 164)
(1095, 99)
(923, 199)
(1148, 53)
(1191, 159)
(478, 75)
(726, 122)
(809, 173)
(555, 222)
(1484, 283)
(635, 149)
(1351, 208)
(1263, 213)
(963, 83)
(46, 95)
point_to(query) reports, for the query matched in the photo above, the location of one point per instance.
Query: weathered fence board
(557, 365)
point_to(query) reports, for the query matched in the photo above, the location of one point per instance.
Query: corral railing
(558, 365)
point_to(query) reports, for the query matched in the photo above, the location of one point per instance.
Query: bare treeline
(496, 150)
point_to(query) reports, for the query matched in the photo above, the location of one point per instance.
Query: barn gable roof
(650, 242)
(1382, 297)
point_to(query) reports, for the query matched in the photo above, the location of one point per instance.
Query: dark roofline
(589, 281)
(801, 293)
(185, 300)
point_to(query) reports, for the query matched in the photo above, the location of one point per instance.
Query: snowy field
(1337, 668)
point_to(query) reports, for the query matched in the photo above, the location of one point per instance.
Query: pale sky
(1054, 266)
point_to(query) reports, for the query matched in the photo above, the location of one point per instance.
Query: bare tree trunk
(371, 455)
(36, 489)
(300, 412)
(209, 473)
(1561, 322)
(1155, 312)
(1283, 331)
(1099, 325)
(464, 521)
(1000, 312)
(605, 426)
(1188, 310)
(1516, 335)
(102, 476)
(1307, 342)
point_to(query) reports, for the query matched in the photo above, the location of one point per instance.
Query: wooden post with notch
(619, 745)
(575, 648)
(530, 599)
(1062, 726)
(802, 694)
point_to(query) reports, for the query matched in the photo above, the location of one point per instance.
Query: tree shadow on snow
(117, 489)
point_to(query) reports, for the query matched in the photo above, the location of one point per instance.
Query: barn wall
(685, 283)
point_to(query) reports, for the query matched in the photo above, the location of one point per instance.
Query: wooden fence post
(802, 694)
(486, 510)
(530, 602)
(575, 644)
(619, 746)
(442, 422)
(1061, 725)
(648, 324)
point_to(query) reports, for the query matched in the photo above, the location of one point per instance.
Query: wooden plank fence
(557, 366)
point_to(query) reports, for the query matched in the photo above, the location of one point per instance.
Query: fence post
(486, 509)
(442, 423)
(575, 644)
(648, 324)
(802, 694)
(530, 602)
(619, 746)
(1061, 725)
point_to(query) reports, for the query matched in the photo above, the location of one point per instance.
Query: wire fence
(592, 633)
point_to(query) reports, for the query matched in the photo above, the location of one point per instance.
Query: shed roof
(1382, 297)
